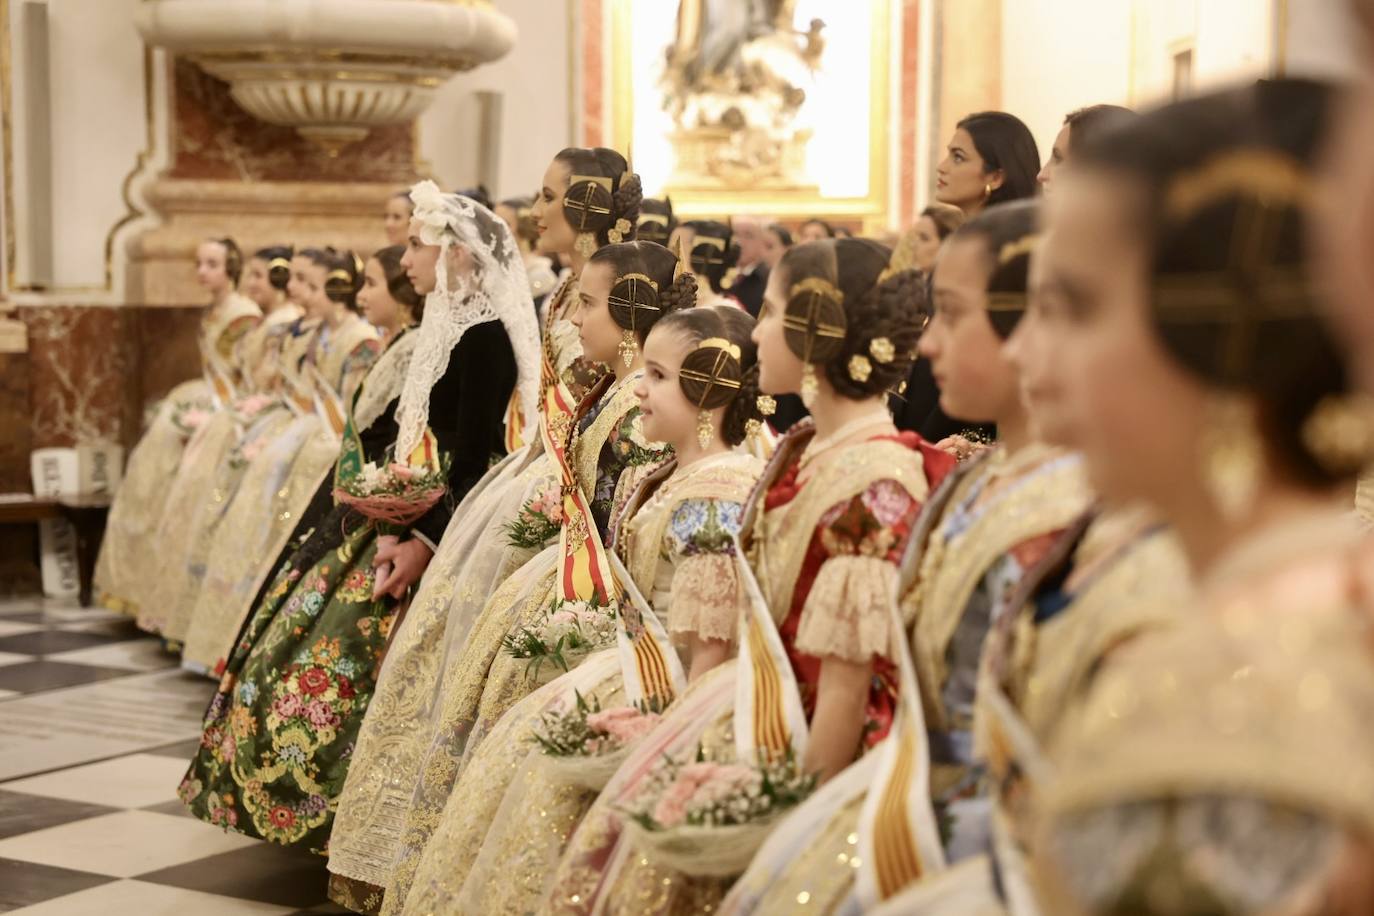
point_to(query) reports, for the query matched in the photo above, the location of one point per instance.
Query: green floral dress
(280, 731)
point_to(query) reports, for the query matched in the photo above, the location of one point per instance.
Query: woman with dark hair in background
(396, 217)
(813, 230)
(1080, 126)
(776, 241)
(540, 268)
(991, 159)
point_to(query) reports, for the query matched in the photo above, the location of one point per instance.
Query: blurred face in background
(396, 219)
(773, 248)
(749, 237)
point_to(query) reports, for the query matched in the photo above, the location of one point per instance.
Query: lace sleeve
(706, 594)
(845, 611)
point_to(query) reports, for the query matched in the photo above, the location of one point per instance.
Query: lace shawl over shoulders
(862, 537)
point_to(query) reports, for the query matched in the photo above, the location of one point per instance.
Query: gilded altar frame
(871, 209)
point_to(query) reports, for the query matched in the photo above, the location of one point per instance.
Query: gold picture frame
(871, 209)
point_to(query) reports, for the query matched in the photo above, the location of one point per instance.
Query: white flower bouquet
(394, 494)
(566, 633)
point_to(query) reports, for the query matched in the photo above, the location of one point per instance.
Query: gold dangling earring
(628, 347)
(987, 191)
(585, 244)
(809, 385)
(1232, 456)
(706, 430)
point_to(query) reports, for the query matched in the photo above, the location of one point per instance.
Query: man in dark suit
(752, 278)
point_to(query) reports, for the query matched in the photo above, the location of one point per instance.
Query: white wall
(1059, 55)
(97, 124)
(533, 84)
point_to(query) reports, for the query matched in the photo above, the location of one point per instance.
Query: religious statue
(735, 79)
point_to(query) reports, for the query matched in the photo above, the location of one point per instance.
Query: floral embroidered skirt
(280, 731)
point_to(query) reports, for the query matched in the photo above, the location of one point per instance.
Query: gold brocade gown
(1227, 763)
(988, 524)
(472, 558)
(128, 563)
(277, 483)
(511, 811)
(481, 682)
(821, 551)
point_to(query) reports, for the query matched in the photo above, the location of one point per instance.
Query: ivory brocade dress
(281, 467)
(512, 810)
(127, 561)
(279, 732)
(825, 552)
(211, 469)
(1228, 760)
(473, 557)
(609, 455)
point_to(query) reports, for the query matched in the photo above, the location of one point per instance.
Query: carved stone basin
(332, 69)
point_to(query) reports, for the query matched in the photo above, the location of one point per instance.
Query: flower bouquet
(566, 633)
(392, 493)
(246, 409)
(707, 819)
(189, 416)
(539, 520)
(587, 744)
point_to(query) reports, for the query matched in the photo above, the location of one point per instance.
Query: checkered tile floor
(97, 724)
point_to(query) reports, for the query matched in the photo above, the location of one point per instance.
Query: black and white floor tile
(97, 724)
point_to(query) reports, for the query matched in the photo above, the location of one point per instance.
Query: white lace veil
(497, 289)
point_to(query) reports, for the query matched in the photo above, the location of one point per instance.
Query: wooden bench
(87, 514)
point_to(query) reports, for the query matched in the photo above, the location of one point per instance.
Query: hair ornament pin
(278, 262)
(339, 273)
(860, 368)
(766, 405)
(720, 343)
(1265, 174)
(618, 232)
(1025, 245)
(881, 349)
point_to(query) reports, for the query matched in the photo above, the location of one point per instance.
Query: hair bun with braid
(680, 294)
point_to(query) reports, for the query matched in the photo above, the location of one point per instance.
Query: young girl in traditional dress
(823, 531)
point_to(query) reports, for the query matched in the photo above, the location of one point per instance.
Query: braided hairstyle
(343, 274)
(875, 322)
(622, 200)
(397, 283)
(713, 252)
(1008, 233)
(1212, 174)
(278, 261)
(651, 260)
(735, 325)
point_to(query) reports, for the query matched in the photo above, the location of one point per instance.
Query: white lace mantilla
(497, 289)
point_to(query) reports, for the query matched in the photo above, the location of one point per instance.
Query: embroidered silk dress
(825, 552)
(280, 730)
(989, 523)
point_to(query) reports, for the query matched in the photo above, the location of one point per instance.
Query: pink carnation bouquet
(587, 744)
(707, 818)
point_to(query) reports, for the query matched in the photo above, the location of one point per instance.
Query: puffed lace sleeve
(845, 614)
(706, 593)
